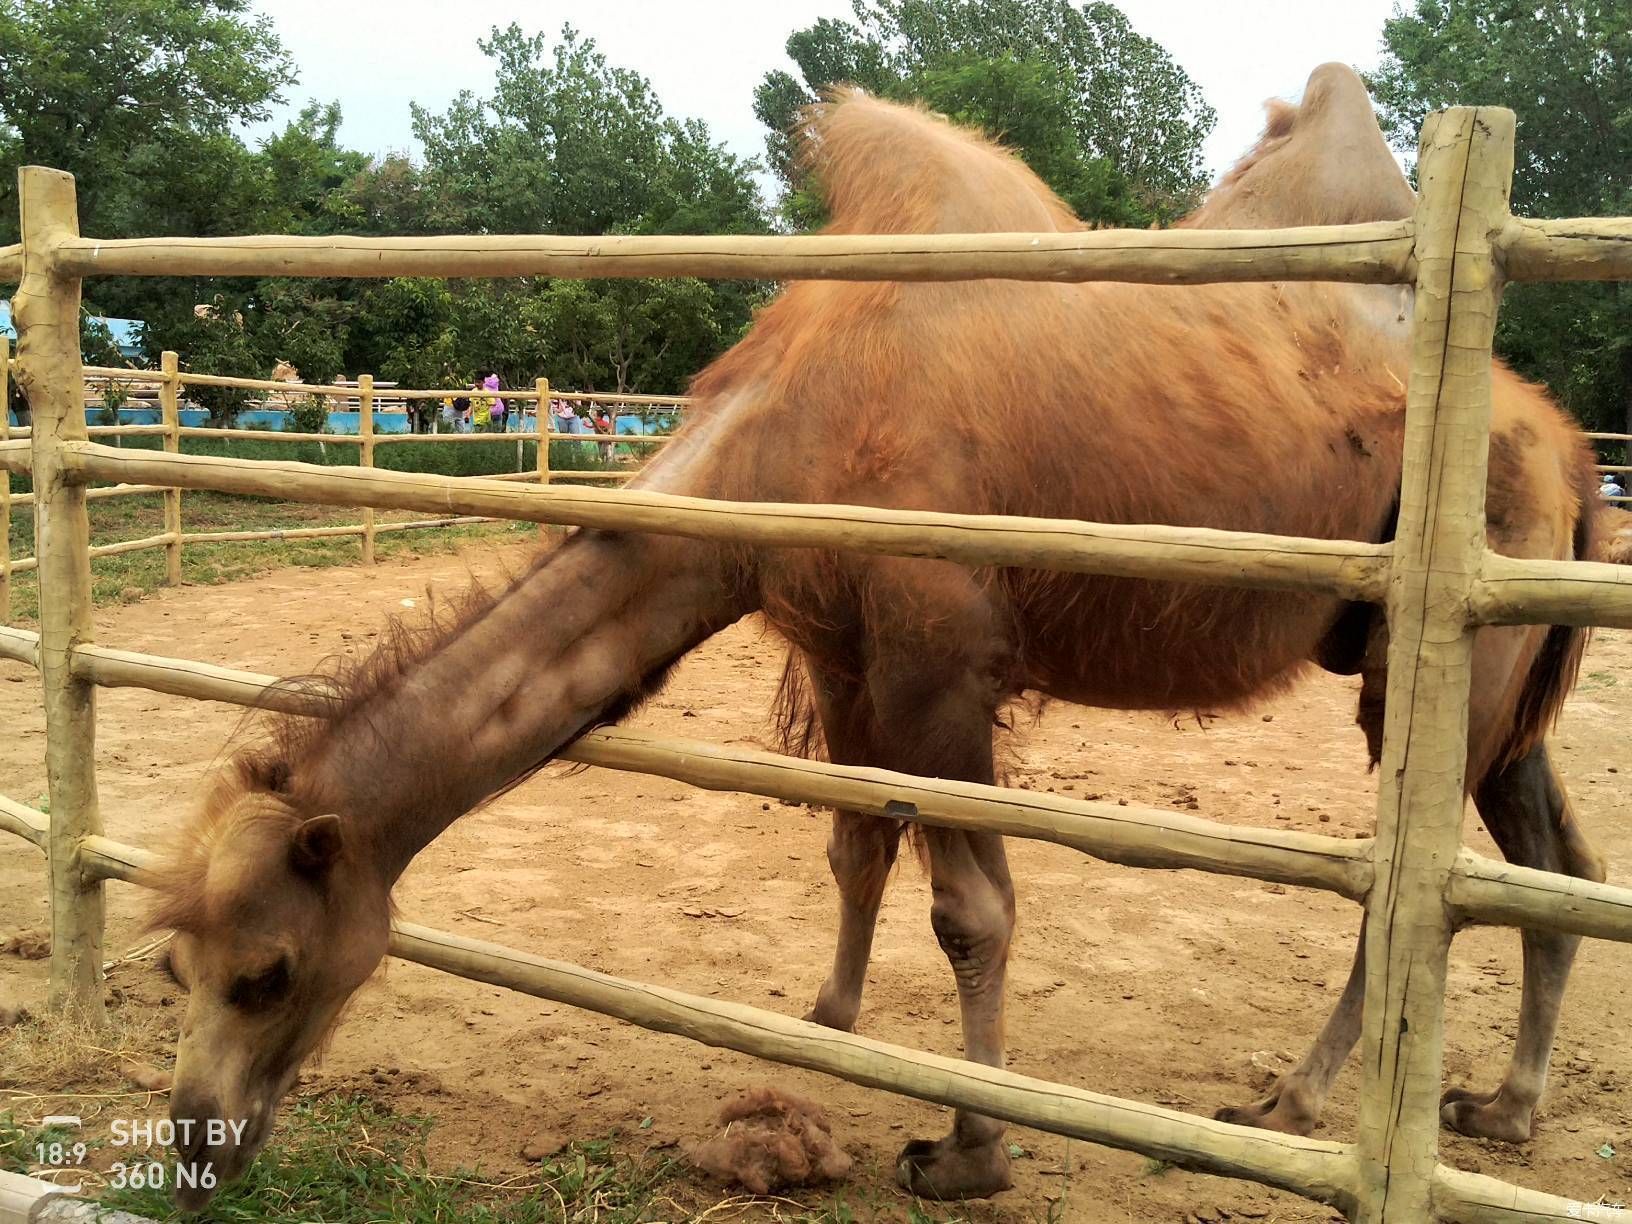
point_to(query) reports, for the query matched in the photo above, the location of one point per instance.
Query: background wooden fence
(170, 381)
(1437, 581)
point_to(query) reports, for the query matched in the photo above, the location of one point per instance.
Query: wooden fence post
(49, 371)
(170, 417)
(1465, 168)
(5, 483)
(365, 427)
(545, 420)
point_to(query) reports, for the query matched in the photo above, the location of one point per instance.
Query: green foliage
(309, 414)
(317, 1169)
(113, 90)
(404, 331)
(1565, 67)
(96, 345)
(568, 143)
(1102, 113)
(213, 340)
(571, 144)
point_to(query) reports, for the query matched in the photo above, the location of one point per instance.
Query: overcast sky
(704, 57)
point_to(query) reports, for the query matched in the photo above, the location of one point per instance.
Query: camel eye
(261, 990)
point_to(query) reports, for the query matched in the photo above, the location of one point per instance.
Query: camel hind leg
(1528, 814)
(1525, 808)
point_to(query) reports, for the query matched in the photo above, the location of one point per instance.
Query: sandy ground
(1178, 988)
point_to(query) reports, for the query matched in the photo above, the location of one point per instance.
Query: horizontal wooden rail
(23, 501)
(124, 546)
(1134, 837)
(612, 397)
(317, 533)
(11, 263)
(1578, 249)
(1146, 837)
(24, 821)
(1342, 567)
(528, 435)
(131, 374)
(1514, 591)
(1317, 1169)
(125, 431)
(20, 645)
(265, 435)
(1460, 1197)
(382, 394)
(1375, 253)
(1502, 894)
(1140, 837)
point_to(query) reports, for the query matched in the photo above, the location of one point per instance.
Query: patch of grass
(350, 1160)
(18, 1142)
(125, 577)
(129, 576)
(62, 1053)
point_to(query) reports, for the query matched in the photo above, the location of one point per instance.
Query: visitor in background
(563, 420)
(602, 421)
(497, 409)
(1611, 487)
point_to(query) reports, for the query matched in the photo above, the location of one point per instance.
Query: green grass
(17, 1143)
(128, 576)
(346, 1159)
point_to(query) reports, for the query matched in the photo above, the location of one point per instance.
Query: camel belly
(1124, 644)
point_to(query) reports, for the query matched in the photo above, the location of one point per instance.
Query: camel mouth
(202, 1173)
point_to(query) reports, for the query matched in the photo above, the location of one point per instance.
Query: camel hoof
(825, 1018)
(940, 1169)
(1485, 1115)
(1279, 1111)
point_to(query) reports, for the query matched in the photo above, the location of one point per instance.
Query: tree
(123, 92)
(1565, 68)
(1101, 112)
(572, 144)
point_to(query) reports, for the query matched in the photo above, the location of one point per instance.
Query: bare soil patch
(1178, 988)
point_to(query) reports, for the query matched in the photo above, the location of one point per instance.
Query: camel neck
(578, 641)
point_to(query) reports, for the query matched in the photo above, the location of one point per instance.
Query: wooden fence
(170, 380)
(1437, 580)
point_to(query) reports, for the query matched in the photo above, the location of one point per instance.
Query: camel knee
(974, 927)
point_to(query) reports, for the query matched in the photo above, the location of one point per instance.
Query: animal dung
(772, 1141)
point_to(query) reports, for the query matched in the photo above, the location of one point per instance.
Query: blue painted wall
(339, 422)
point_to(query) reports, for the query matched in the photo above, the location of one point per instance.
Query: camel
(1279, 406)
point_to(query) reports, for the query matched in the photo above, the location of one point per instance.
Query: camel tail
(797, 728)
(1557, 663)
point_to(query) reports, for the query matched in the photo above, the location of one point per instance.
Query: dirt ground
(1178, 988)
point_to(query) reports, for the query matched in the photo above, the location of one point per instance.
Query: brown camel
(1269, 408)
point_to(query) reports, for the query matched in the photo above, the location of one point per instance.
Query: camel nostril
(192, 1117)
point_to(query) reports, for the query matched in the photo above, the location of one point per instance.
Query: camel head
(276, 926)
(1321, 161)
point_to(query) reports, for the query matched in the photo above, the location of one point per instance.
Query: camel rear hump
(885, 168)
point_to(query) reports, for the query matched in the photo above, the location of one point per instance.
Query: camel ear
(317, 844)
